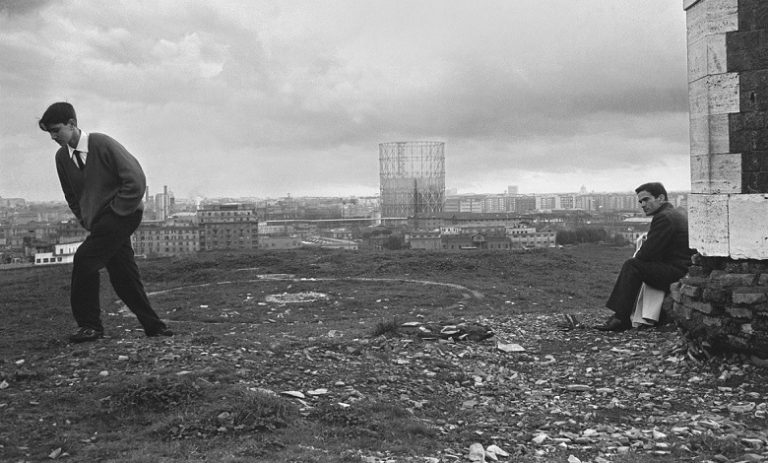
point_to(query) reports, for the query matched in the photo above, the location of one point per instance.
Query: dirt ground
(331, 356)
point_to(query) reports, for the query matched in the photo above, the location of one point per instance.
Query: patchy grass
(254, 378)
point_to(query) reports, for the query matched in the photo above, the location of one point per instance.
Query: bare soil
(302, 356)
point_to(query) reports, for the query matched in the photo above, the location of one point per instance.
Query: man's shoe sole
(166, 332)
(614, 327)
(81, 339)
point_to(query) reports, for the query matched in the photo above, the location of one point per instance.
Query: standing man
(663, 259)
(104, 186)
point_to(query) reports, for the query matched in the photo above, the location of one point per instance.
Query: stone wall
(728, 108)
(723, 300)
(724, 303)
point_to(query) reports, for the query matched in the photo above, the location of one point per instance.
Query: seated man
(663, 259)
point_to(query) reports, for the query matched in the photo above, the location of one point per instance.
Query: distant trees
(373, 232)
(581, 235)
(618, 240)
(394, 242)
(385, 238)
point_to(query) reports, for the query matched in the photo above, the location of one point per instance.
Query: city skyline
(255, 99)
(152, 195)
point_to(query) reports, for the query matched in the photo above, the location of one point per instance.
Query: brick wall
(725, 303)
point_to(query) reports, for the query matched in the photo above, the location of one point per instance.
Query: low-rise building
(475, 237)
(62, 254)
(341, 233)
(482, 236)
(330, 243)
(279, 242)
(428, 240)
(537, 239)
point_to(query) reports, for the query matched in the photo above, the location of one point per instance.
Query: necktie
(79, 160)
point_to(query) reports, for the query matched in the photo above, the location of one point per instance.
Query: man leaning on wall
(663, 259)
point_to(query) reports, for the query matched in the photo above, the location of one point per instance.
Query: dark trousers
(109, 245)
(633, 274)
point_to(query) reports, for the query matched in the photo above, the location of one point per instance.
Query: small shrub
(386, 328)
(154, 394)
(371, 419)
(710, 444)
(261, 411)
(235, 412)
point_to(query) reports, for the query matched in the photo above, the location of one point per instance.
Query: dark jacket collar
(663, 207)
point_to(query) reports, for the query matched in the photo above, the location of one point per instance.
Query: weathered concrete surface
(748, 224)
(708, 223)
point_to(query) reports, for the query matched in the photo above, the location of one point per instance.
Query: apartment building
(231, 226)
(166, 238)
(494, 204)
(522, 204)
(566, 202)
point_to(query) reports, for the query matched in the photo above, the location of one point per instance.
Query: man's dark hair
(654, 188)
(57, 113)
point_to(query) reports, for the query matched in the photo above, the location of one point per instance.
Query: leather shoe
(86, 335)
(614, 324)
(161, 332)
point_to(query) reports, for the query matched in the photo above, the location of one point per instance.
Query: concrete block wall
(724, 297)
(728, 101)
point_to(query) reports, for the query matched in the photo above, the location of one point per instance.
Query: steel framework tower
(412, 176)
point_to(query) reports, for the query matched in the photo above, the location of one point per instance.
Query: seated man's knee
(631, 265)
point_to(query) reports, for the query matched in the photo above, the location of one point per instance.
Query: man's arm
(69, 195)
(133, 183)
(659, 237)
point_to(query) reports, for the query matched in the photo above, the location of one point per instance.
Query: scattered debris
(510, 347)
(296, 298)
(297, 394)
(454, 330)
(570, 322)
(476, 453)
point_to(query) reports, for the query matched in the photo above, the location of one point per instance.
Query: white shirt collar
(82, 146)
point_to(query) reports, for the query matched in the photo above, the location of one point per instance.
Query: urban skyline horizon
(376, 195)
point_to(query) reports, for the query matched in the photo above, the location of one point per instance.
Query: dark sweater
(667, 238)
(112, 178)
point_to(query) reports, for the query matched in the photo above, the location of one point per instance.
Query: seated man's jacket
(667, 238)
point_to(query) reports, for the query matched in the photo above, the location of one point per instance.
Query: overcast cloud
(269, 98)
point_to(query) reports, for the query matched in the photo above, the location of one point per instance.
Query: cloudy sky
(270, 98)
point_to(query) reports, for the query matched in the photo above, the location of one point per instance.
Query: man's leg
(107, 236)
(91, 256)
(126, 280)
(84, 288)
(633, 274)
